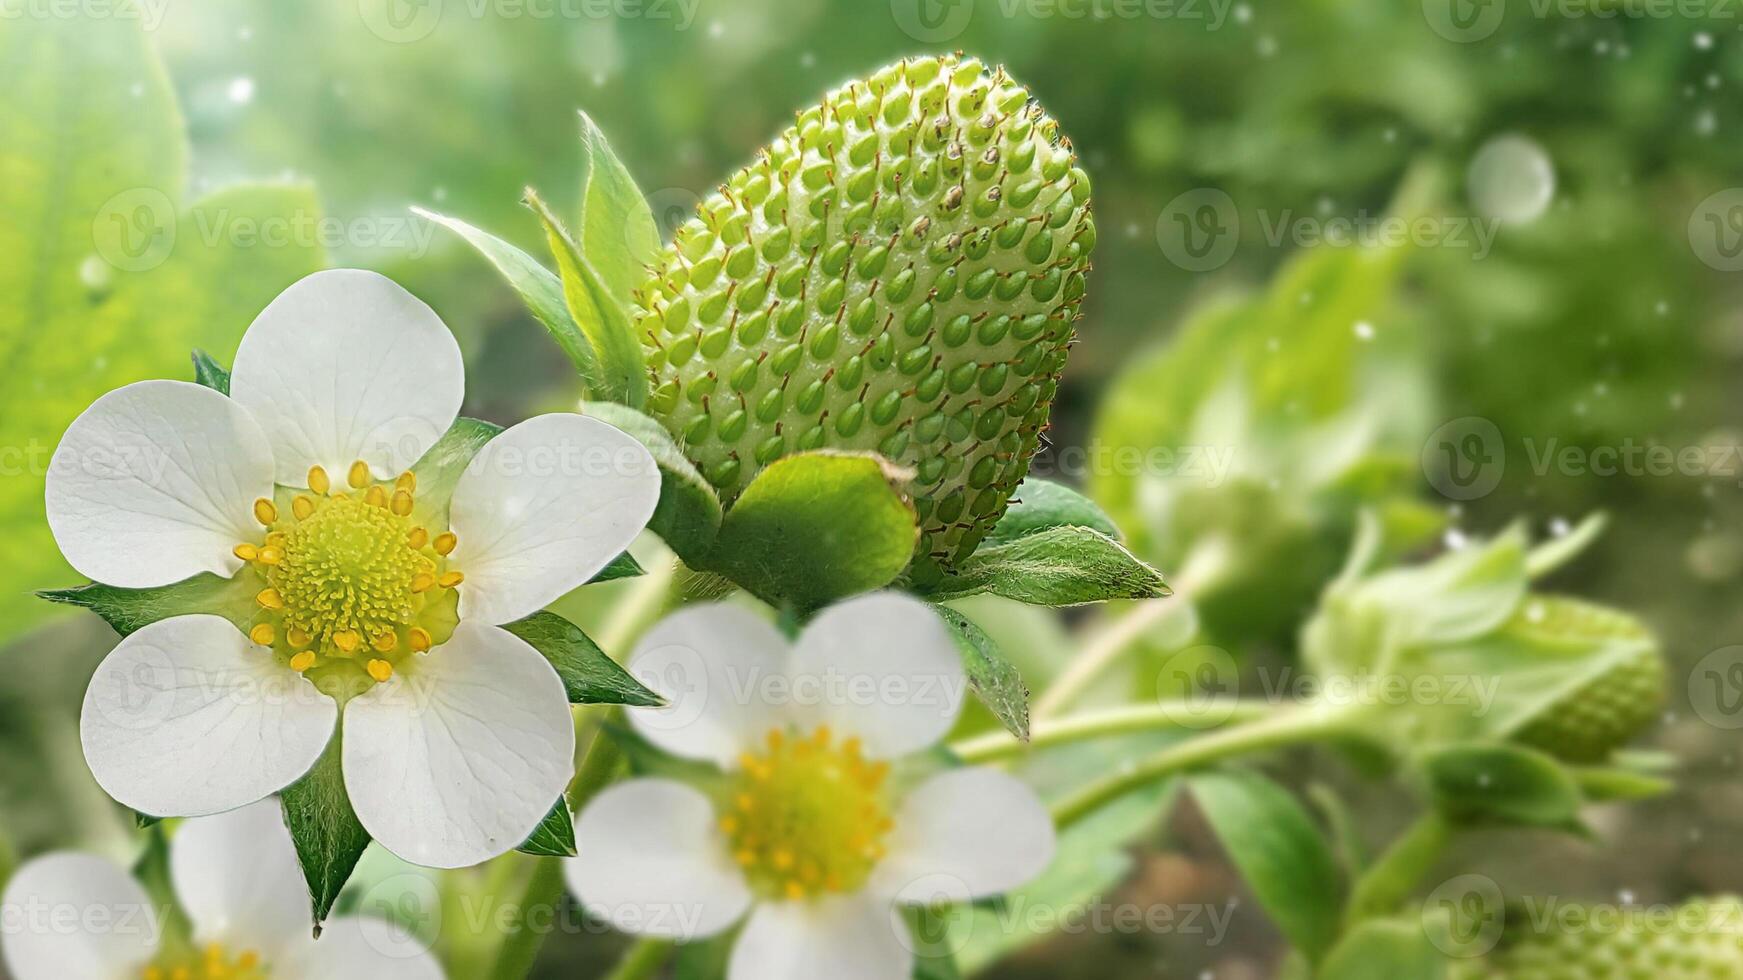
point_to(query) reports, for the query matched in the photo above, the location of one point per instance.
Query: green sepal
(689, 513)
(1041, 505)
(993, 678)
(538, 287)
(617, 232)
(152, 870)
(929, 933)
(210, 373)
(1384, 949)
(623, 566)
(1058, 566)
(328, 836)
(589, 676)
(602, 317)
(127, 610)
(554, 836)
(816, 527)
(1505, 783)
(1280, 853)
(144, 821)
(439, 469)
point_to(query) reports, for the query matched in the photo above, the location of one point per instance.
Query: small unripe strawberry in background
(1610, 709)
(899, 272)
(1700, 940)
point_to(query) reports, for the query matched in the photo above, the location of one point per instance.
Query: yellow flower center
(352, 581)
(807, 815)
(212, 963)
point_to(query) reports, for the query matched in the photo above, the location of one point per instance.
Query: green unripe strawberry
(1608, 710)
(899, 272)
(1700, 940)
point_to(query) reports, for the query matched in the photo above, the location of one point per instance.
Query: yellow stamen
(417, 539)
(265, 512)
(450, 579)
(445, 542)
(303, 661)
(422, 582)
(346, 640)
(297, 638)
(420, 639)
(270, 556)
(303, 506)
(402, 503)
(246, 552)
(385, 642)
(408, 481)
(263, 634)
(270, 599)
(375, 497)
(358, 476)
(318, 481)
(381, 670)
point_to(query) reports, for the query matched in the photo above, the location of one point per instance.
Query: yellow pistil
(348, 582)
(807, 815)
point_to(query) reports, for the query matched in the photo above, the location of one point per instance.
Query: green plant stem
(1291, 726)
(1123, 720)
(1383, 887)
(598, 769)
(642, 960)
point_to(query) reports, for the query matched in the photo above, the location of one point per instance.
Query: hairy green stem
(1286, 727)
(642, 960)
(1123, 720)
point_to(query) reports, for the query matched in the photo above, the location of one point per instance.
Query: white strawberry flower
(70, 916)
(811, 830)
(351, 590)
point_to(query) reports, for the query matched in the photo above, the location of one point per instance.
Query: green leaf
(1042, 505)
(623, 566)
(589, 676)
(618, 235)
(153, 872)
(602, 317)
(327, 834)
(1279, 851)
(704, 959)
(994, 680)
(689, 513)
(1606, 784)
(538, 287)
(1059, 566)
(815, 527)
(1382, 949)
(555, 835)
(109, 276)
(210, 373)
(1501, 782)
(127, 610)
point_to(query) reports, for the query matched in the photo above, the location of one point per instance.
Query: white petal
(346, 365)
(847, 937)
(76, 917)
(187, 717)
(542, 508)
(650, 860)
(156, 483)
(965, 834)
(359, 949)
(239, 881)
(460, 756)
(882, 667)
(712, 664)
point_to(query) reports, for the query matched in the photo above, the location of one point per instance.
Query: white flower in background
(78, 917)
(351, 588)
(812, 832)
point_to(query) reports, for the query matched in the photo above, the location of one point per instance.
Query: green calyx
(1609, 710)
(1702, 938)
(899, 272)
